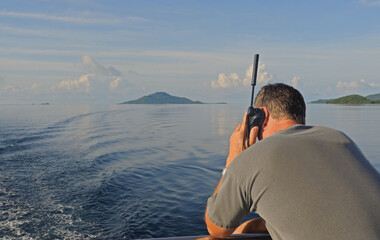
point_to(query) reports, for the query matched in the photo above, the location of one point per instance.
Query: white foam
(18, 213)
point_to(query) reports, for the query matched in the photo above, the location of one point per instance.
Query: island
(352, 99)
(321, 101)
(162, 98)
(374, 97)
(42, 103)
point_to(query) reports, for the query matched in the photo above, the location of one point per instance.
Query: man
(305, 182)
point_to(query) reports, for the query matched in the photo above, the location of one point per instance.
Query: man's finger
(243, 124)
(253, 135)
(238, 128)
(244, 119)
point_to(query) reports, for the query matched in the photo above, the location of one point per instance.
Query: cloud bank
(93, 66)
(69, 19)
(362, 84)
(115, 83)
(94, 79)
(370, 3)
(83, 83)
(294, 82)
(234, 80)
(19, 89)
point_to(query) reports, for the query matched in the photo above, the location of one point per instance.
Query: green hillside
(321, 101)
(162, 98)
(374, 97)
(351, 99)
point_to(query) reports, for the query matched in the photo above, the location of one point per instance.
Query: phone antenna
(254, 76)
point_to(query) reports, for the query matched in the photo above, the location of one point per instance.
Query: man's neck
(274, 126)
(284, 124)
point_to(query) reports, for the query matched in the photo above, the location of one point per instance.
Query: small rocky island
(162, 98)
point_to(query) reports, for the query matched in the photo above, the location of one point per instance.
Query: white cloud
(374, 85)
(20, 30)
(138, 19)
(70, 19)
(347, 85)
(14, 89)
(92, 65)
(295, 81)
(20, 89)
(357, 85)
(264, 77)
(115, 83)
(234, 80)
(34, 86)
(110, 73)
(44, 52)
(370, 3)
(225, 81)
(82, 83)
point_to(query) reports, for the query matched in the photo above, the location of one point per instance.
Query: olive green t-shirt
(306, 183)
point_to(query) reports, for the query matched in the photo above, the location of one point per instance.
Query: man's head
(282, 102)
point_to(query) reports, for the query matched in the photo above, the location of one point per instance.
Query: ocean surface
(128, 171)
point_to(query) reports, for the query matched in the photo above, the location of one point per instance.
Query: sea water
(128, 171)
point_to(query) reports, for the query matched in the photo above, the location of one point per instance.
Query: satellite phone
(255, 116)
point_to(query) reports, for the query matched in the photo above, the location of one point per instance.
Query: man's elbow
(216, 231)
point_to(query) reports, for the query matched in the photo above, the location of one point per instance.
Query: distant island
(41, 104)
(162, 98)
(352, 99)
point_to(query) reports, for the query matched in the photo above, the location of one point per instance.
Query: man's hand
(237, 139)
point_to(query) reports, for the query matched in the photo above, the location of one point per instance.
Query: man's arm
(256, 225)
(217, 231)
(236, 147)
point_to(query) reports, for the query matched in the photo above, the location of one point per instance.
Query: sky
(82, 51)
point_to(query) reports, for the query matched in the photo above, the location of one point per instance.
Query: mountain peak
(162, 98)
(160, 94)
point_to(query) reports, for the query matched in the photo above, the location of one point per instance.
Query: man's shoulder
(267, 152)
(307, 128)
(290, 140)
(306, 131)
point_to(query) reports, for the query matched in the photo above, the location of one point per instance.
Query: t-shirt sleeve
(229, 205)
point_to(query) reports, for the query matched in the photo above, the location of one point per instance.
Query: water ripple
(103, 174)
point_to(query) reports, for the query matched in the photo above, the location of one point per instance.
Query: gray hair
(282, 102)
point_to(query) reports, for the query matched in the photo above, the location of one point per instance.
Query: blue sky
(82, 51)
